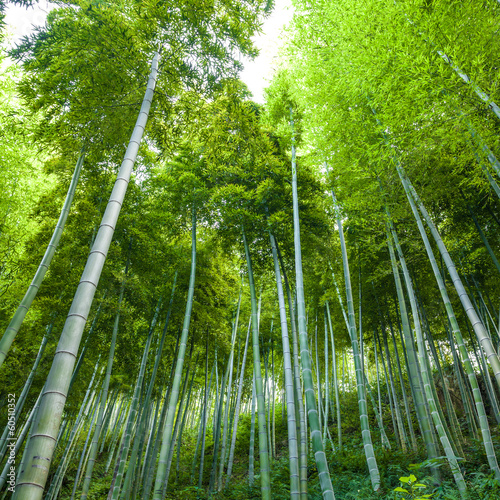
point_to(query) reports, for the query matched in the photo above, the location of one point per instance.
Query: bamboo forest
(205, 296)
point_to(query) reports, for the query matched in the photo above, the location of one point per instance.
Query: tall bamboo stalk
(32, 479)
(237, 408)
(206, 414)
(293, 451)
(161, 477)
(411, 360)
(104, 397)
(478, 326)
(265, 477)
(300, 416)
(305, 357)
(485, 431)
(228, 397)
(335, 384)
(22, 398)
(179, 417)
(18, 318)
(452, 459)
(360, 380)
(251, 450)
(134, 412)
